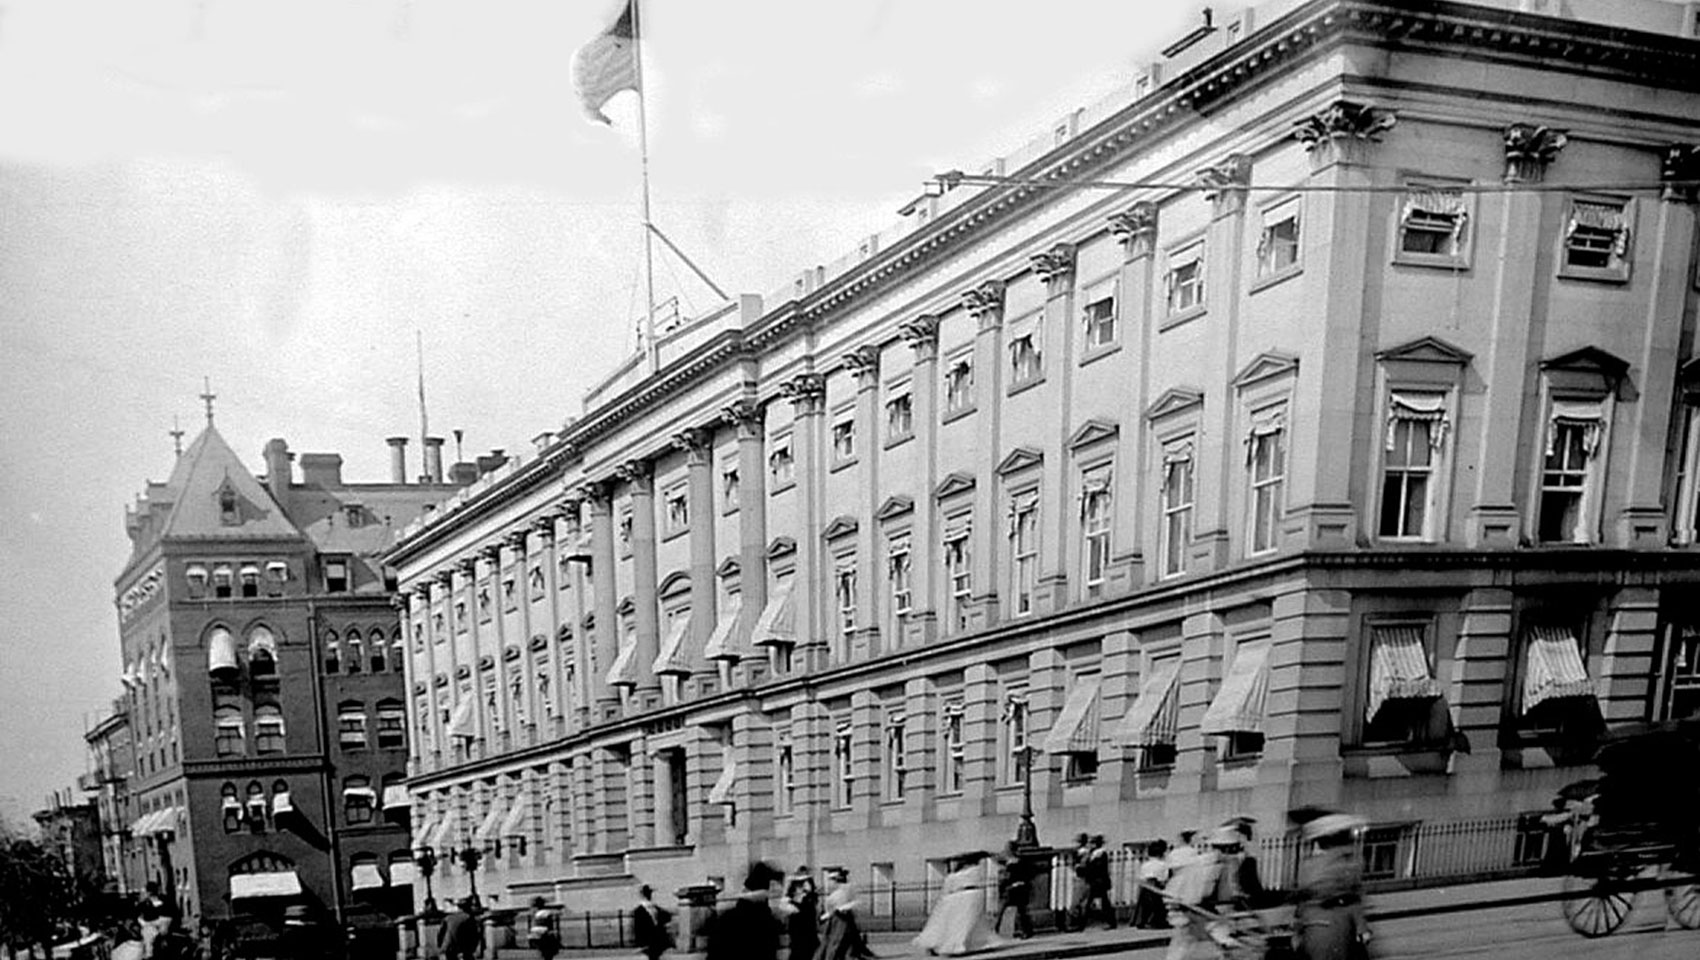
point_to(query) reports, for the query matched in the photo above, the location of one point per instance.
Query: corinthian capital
(806, 391)
(864, 362)
(1136, 227)
(693, 443)
(1225, 183)
(1529, 148)
(1343, 121)
(636, 473)
(922, 335)
(745, 416)
(1054, 264)
(985, 303)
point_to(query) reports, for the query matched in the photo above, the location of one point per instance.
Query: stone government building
(1351, 461)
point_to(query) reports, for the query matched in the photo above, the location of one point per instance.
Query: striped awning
(721, 792)
(490, 829)
(1398, 668)
(221, 653)
(675, 656)
(1238, 707)
(624, 671)
(402, 873)
(1076, 729)
(422, 834)
(462, 723)
(1555, 668)
(275, 883)
(1151, 720)
(778, 622)
(367, 876)
(517, 822)
(447, 833)
(723, 643)
(396, 797)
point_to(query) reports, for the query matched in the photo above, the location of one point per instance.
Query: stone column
(1520, 265)
(1340, 226)
(985, 306)
(1643, 522)
(484, 741)
(1216, 513)
(922, 335)
(548, 546)
(700, 480)
(866, 641)
(606, 640)
(524, 735)
(492, 643)
(640, 480)
(1059, 524)
(443, 592)
(432, 759)
(572, 613)
(1136, 228)
(745, 416)
(807, 393)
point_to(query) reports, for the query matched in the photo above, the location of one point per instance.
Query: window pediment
(1589, 360)
(1426, 350)
(953, 484)
(674, 583)
(729, 567)
(894, 506)
(510, 654)
(539, 641)
(841, 526)
(626, 606)
(1173, 401)
(781, 547)
(1021, 458)
(1095, 430)
(1266, 365)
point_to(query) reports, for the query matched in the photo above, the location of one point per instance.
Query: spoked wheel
(1683, 904)
(1596, 906)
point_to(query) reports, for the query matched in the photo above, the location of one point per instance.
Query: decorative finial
(176, 432)
(208, 397)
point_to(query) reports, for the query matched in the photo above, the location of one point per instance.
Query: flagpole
(649, 346)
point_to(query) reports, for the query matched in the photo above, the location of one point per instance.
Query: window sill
(1269, 280)
(844, 464)
(1432, 261)
(1094, 354)
(958, 414)
(899, 440)
(1177, 318)
(670, 535)
(1024, 385)
(731, 511)
(1617, 275)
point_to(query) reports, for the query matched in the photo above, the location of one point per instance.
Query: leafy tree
(37, 895)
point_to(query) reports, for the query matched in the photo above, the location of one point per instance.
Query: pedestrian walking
(458, 938)
(1192, 895)
(1082, 887)
(1148, 910)
(1098, 884)
(153, 915)
(958, 923)
(802, 925)
(1329, 919)
(1241, 885)
(749, 928)
(649, 925)
(1015, 892)
(841, 936)
(545, 938)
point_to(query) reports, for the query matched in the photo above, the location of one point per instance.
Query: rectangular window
(843, 441)
(1596, 239)
(899, 576)
(1685, 525)
(250, 578)
(959, 385)
(1278, 242)
(896, 766)
(677, 509)
(1388, 850)
(786, 778)
(1416, 429)
(953, 750)
(1433, 224)
(843, 769)
(899, 418)
(959, 574)
(1024, 550)
(268, 728)
(1017, 755)
(781, 468)
(1682, 699)
(392, 726)
(844, 592)
(336, 576)
(1184, 281)
(227, 732)
(1026, 360)
(1267, 466)
(351, 728)
(1176, 503)
(1095, 517)
(221, 582)
(1099, 317)
(729, 488)
(1573, 435)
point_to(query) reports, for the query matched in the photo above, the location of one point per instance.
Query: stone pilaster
(807, 393)
(1481, 666)
(699, 476)
(1216, 515)
(1626, 668)
(745, 416)
(606, 640)
(1136, 229)
(866, 641)
(1059, 531)
(985, 306)
(640, 482)
(922, 335)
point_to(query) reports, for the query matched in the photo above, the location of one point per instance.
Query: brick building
(1325, 430)
(112, 761)
(264, 686)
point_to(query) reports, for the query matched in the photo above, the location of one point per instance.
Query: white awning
(278, 883)
(447, 833)
(488, 831)
(675, 655)
(231, 804)
(157, 823)
(138, 826)
(367, 876)
(250, 570)
(1398, 668)
(402, 873)
(778, 621)
(277, 569)
(721, 792)
(1151, 720)
(364, 795)
(396, 797)
(461, 722)
(422, 834)
(1076, 729)
(517, 823)
(1556, 670)
(261, 639)
(723, 642)
(281, 804)
(221, 653)
(1238, 707)
(624, 671)
(195, 572)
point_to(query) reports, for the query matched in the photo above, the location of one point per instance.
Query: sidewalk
(1053, 946)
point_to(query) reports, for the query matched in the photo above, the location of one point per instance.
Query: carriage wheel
(1683, 904)
(1596, 907)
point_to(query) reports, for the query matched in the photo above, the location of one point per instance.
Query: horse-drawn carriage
(1634, 829)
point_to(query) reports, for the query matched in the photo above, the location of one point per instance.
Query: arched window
(356, 651)
(262, 654)
(358, 799)
(268, 728)
(333, 653)
(398, 652)
(227, 731)
(256, 806)
(249, 575)
(376, 651)
(392, 723)
(230, 808)
(364, 874)
(351, 724)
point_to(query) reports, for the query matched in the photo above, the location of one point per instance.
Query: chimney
(494, 460)
(277, 458)
(433, 459)
(321, 469)
(463, 473)
(398, 459)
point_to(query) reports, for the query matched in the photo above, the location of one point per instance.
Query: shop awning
(489, 830)
(1150, 721)
(159, 822)
(1556, 670)
(778, 622)
(624, 671)
(1076, 729)
(402, 873)
(422, 833)
(278, 569)
(366, 876)
(517, 823)
(723, 642)
(281, 804)
(721, 792)
(675, 656)
(138, 826)
(1398, 668)
(396, 798)
(1238, 707)
(221, 653)
(447, 834)
(261, 640)
(462, 723)
(277, 883)
(356, 795)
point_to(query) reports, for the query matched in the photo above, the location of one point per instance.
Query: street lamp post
(1026, 832)
(469, 857)
(426, 861)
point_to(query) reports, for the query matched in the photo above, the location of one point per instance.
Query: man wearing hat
(458, 938)
(1329, 920)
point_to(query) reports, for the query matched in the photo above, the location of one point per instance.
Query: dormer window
(229, 509)
(355, 514)
(336, 576)
(250, 578)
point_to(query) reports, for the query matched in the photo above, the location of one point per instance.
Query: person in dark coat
(802, 926)
(458, 938)
(649, 925)
(1149, 910)
(749, 928)
(1015, 892)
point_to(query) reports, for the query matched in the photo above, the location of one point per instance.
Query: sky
(278, 196)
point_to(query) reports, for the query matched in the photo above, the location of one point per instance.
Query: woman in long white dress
(959, 924)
